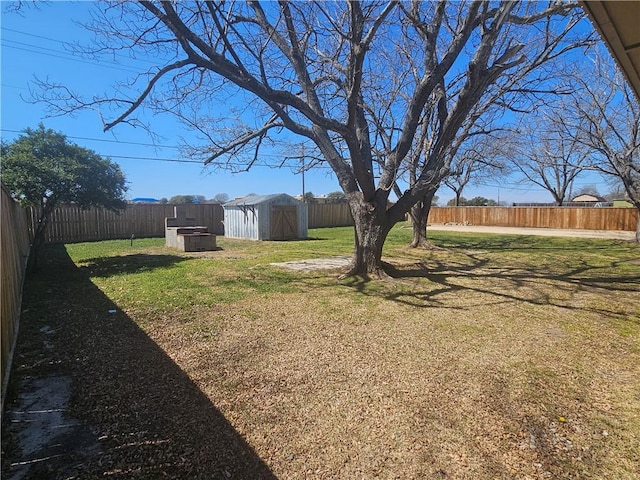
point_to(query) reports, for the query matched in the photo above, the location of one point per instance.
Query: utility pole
(303, 168)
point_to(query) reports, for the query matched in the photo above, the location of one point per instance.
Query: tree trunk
(419, 215)
(372, 225)
(634, 201)
(33, 262)
(559, 200)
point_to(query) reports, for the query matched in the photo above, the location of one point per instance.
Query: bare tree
(20, 6)
(315, 69)
(459, 179)
(518, 92)
(475, 154)
(481, 158)
(616, 190)
(604, 116)
(220, 197)
(586, 190)
(543, 154)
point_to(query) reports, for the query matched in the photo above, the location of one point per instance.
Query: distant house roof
(588, 198)
(256, 199)
(145, 200)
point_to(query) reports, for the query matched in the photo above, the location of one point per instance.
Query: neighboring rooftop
(586, 197)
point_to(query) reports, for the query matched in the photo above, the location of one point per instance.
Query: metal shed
(266, 217)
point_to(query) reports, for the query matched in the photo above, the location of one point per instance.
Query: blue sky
(33, 46)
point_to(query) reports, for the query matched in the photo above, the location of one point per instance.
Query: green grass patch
(168, 279)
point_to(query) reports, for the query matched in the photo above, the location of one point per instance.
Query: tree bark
(372, 225)
(33, 262)
(419, 216)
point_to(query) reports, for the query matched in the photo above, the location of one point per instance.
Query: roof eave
(617, 23)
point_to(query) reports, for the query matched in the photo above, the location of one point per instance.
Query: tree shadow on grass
(508, 285)
(469, 272)
(135, 263)
(139, 415)
(516, 243)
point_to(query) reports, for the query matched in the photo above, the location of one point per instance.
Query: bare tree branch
(145, 93)
(246, 138)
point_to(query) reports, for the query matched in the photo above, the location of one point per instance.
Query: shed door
(284, 222)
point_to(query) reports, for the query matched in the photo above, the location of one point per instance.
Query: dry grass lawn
(495, 357)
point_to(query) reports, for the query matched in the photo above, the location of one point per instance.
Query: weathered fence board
(69, 223)
(14, 243)
(329, 215)
(587, 218)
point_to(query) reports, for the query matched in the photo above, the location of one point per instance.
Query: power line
(56, 53)
(104, 140)
(87, 62)
(65, 55)
(61, 42)
(31, 35)
(8, 40)
(169, 160)
(4, 85)
(126, 143)
(238, 164)
(154, 159)
(518, 189)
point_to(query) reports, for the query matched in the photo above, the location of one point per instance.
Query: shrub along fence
(14, 246)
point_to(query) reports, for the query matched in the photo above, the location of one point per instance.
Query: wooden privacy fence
(14, 246)
(70, 223)
(540, 217)
(329, 215)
